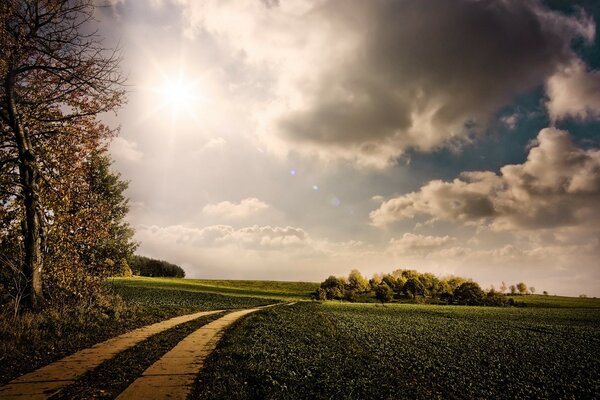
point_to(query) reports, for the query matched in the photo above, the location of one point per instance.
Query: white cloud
(574, 92)
(510, 120)
(558, 186)
(246, 207)
(123, 149)
(216, 143)
(347, 79)
(410, 244)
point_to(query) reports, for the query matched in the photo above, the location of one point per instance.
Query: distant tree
(522, 288)
(374, 281)
(384, 293)
(392, 281)
(320, 294)
(545, 293)
(513, 289)
(531, 289)
(357, 282)
(334, 287)
(146, 266)
(583, 296)
(503, 287)
(494, 298)
(413, 287)
(469, 293)
(430, 283)
(455, 281)
(350, 295)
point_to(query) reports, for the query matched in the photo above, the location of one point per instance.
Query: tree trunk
(33, 228)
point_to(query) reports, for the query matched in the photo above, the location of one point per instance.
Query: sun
(176, 94)
(179, 95)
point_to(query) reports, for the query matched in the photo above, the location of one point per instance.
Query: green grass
(355, 351)
(538, 300)
(275, 290)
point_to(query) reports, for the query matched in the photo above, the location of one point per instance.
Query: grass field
(547, 349)
(275, 290)
(337, 350)
(36, 340)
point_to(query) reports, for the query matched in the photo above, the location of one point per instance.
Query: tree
(357, 282)
(384, 293)
(503, 287)
(522, 288)
(334, 287)
(55, 81)
(146, 266)
(513, 289)
(414, 287)
(545, 293)
(469, 293)
(531, 289)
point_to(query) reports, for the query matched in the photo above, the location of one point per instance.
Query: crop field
(340, 350)
(184, 301)
(276, 290)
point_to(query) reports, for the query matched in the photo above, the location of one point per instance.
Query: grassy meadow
(367, 351)
(273, 290)
(322, 350)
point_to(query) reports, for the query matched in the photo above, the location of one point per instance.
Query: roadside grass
(356, 351)
(113, 376)
(265, 289)
(30, 341)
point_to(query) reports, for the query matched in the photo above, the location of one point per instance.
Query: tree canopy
(62, 207)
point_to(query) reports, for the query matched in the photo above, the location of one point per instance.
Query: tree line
(62, 227)
(146, 266)
(410, 284)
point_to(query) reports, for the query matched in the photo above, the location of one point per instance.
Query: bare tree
(55, 75)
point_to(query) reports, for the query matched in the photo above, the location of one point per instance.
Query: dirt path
(172, 376)
(46, 381)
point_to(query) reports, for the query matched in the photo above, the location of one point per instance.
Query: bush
(496, 299)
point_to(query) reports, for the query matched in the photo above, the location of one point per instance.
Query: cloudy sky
(296, 139)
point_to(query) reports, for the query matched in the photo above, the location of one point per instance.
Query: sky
(293, 140)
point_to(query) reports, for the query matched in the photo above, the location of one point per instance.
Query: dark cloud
(558, 186)
(422, 74)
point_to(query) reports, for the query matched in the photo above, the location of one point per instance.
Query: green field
(275, 290)
(547, 349)
(359, 351)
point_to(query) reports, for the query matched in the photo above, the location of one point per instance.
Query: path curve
(172, 376)
(47, 381)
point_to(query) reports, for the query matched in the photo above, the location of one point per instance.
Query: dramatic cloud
(574, 92)
(365, 81)
(558, 186)
(244, 208)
